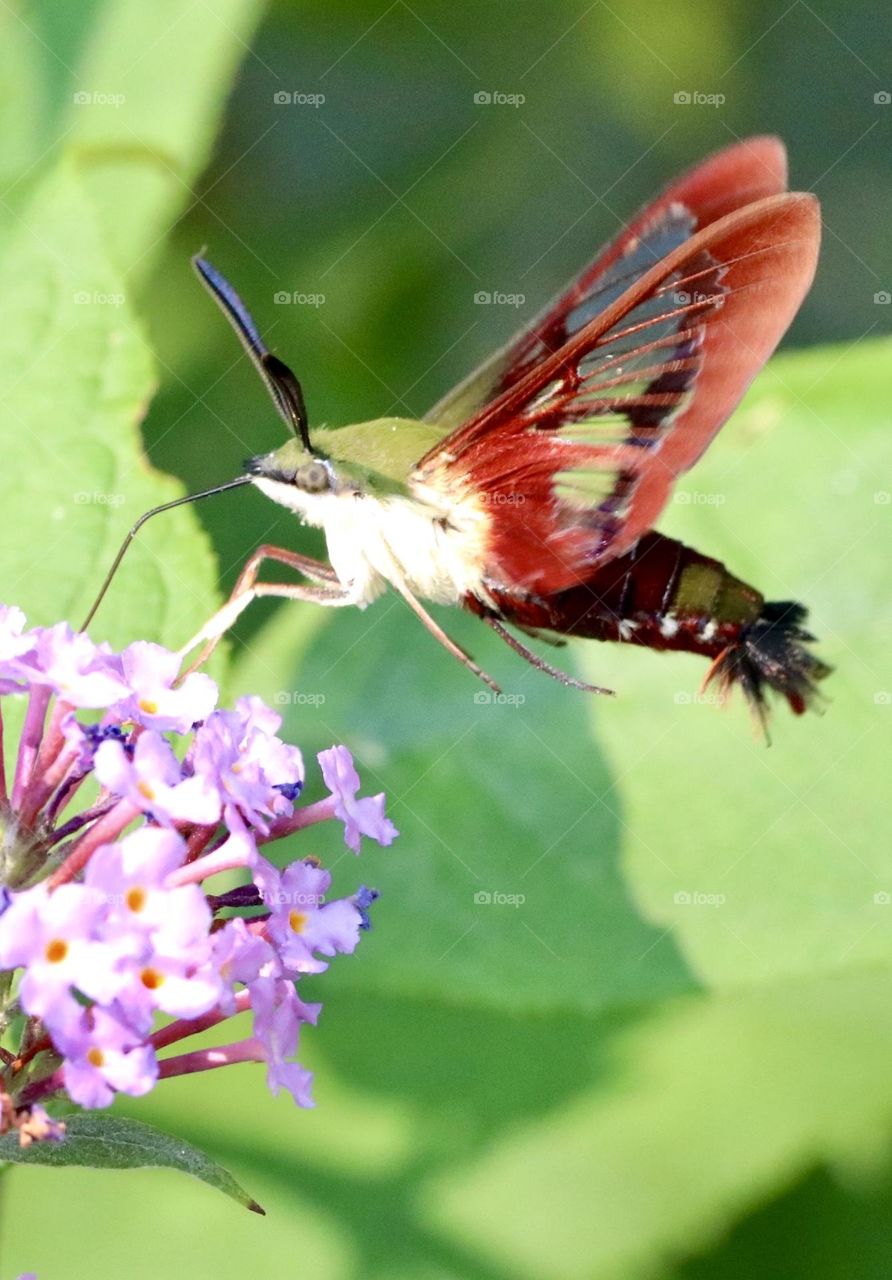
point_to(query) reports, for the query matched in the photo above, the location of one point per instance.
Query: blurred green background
(615, 1078)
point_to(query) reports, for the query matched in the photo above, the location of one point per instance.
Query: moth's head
(297, 477)
(369, 459)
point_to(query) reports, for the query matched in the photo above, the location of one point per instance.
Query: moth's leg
(315, 570)
(556, 642)
(539, 663)
(439, 634)
(321, 590)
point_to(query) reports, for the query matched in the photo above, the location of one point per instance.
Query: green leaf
(712, 1104)
(21, 98)
(97, 1140)
(75, 377)
(507, 855)
(149, 92)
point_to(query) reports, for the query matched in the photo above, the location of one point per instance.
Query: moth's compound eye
(313, 477)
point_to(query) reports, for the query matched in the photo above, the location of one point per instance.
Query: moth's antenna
(278, 379)
(165, 506)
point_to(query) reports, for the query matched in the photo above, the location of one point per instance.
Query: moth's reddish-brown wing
(739, 175)
(573, 462)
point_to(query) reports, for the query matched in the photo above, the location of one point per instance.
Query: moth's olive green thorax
(370, 457)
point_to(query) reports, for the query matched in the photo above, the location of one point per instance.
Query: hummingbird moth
(528, 495)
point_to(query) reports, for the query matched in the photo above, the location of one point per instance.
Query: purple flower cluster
(131, 791)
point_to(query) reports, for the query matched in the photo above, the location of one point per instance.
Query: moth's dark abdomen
(664, 595)
(661, 594)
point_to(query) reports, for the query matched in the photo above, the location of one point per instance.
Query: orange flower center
(136, 898)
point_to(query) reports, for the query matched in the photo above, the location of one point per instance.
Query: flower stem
(108, 828)
(64, 796)
(225, 1055)
(185, 1027)
(80, 820)
(54, 738)
(32, 732)
(306, 816)
(31, 1050)
(198, 841)
(45, 783)
(4, 797)
(221, 859)
(42, 1088)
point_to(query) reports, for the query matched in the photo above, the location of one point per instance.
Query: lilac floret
(238, 753)
(153, 781)
(150, 671)
(361, 817)
(278, 1014)
(128, 879)
(301, 922)
(104, 1056)
(78, 671)
(54, 937)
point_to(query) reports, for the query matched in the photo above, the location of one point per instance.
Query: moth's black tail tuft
(771, 653)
